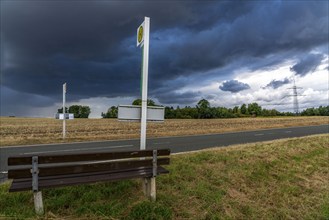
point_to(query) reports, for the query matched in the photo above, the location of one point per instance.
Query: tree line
(203, 110)
(321, 111)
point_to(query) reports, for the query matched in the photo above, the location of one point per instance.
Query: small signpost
(64, 112)
(61, 116)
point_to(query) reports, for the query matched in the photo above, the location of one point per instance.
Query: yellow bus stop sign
(140, 34)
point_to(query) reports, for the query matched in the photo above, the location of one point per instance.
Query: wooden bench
(49, 171)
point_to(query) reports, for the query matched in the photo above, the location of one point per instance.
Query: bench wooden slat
(82, 174)
(85, 178)
(45, 159)
(85, 168)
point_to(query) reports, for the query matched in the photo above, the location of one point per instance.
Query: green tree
(236, 110)
(85, 111)
(111, 112)
(204, 109)
(169, 112)
(324, 110)
(178, 113)
(80, 111)
(254, 109)
(222, 112)
(308, 112)
(76, 110)
(243, 109)
(60, 110)
(203, 104)
(150, 102)
(190, 112)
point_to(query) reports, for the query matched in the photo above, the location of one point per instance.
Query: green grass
(286, 179)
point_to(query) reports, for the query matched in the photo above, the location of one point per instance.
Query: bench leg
(150, 188)
(146, 186)
(153, 189)
(38, 203)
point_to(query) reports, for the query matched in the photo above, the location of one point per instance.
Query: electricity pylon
(295, 97)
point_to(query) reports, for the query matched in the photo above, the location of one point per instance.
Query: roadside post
(143, 41)
(63, 116)
(145, 113)
(64, 112)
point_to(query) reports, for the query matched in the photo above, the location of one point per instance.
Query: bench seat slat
(45, 159)
(85, 178)
(84, 168)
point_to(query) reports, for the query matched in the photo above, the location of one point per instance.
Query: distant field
(285, 179)
(19, 131)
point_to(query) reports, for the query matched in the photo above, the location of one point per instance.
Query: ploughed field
(20, 131)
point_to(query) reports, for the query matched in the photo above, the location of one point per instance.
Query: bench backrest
(52, 165)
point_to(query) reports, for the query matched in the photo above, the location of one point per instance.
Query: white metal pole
(64, 124)
(144, 82)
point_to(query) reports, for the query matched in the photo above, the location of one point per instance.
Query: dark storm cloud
(174, 97)
(307, 64)
(168, 94)
(266, 29)
(234, 86)
(16, 103)
(277, 83)
(91, 44)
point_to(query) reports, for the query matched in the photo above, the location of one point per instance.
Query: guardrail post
(37, 195)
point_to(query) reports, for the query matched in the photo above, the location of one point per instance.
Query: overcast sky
(229, 53)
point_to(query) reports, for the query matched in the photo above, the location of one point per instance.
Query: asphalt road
(176, 144)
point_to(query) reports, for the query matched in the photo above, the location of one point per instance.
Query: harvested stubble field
(20, 131)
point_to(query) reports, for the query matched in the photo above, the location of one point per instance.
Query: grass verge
(285, 179)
